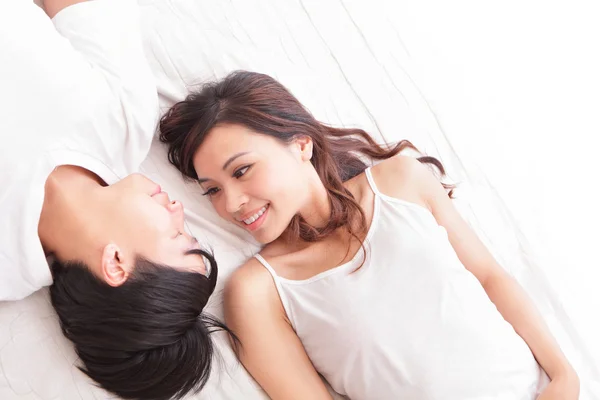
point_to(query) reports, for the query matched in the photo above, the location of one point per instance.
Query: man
(78, 116)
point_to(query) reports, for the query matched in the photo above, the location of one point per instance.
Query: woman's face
(253, 180)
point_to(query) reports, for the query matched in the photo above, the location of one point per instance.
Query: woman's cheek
(220, 209)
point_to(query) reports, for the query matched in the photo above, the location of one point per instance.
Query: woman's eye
(241, 171)
(211, 192)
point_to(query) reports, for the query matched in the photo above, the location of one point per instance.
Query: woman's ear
(304, 145)
(114, 269)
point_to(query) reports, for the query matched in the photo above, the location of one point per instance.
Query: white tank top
(411, 323)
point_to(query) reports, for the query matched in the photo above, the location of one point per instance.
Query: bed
(505, 94)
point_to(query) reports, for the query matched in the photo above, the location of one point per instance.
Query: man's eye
(241, 171)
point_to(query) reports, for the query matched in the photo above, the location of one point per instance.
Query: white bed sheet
(506, 95)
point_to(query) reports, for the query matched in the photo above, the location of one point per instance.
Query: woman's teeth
(255, 216)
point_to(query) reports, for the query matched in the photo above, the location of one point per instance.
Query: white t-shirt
(74, 90)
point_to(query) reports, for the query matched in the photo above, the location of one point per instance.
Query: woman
(369, 276)
(127, 282)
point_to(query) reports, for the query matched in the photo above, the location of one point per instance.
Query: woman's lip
(250, 214)
(256, 224)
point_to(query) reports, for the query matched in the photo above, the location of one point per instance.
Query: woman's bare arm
(270, 349)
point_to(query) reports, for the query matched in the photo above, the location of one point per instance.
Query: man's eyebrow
(194, 243)
(192, 246)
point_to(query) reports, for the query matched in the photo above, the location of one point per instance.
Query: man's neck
(68, 195)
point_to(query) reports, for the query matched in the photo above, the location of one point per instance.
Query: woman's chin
(261, 238)
(265, 237)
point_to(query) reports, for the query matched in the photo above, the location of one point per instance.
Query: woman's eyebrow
(232, 158)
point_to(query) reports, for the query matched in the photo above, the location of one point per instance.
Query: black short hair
(146, 339)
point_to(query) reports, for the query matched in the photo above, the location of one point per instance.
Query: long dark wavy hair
(264, 105)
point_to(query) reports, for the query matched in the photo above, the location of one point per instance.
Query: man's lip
(157, 190)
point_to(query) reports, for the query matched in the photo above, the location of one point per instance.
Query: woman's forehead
(225, 140)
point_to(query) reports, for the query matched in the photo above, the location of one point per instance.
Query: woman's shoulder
(396, 170)
(401, 168)
(402, 177)
(249, 278)
(250, 295)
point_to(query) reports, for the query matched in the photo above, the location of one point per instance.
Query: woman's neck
(317, 210)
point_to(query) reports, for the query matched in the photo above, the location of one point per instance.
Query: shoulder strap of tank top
(267, 266)
(372, 182)
(279, 287)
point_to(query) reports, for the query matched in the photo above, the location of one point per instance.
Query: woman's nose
(234, 201)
